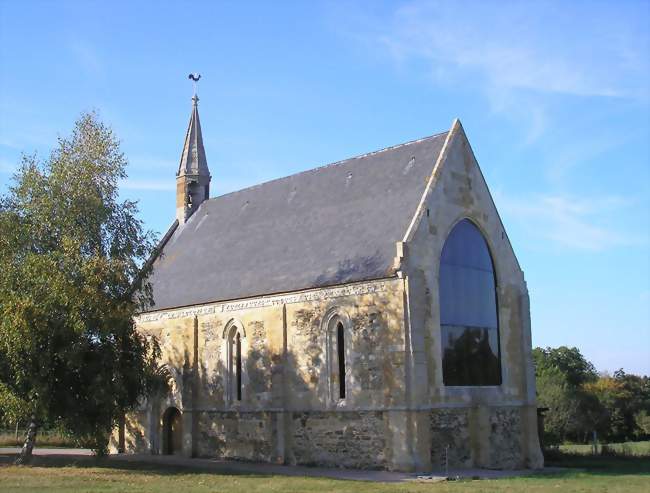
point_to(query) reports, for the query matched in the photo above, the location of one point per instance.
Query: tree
(642, 419)
(569, 361)
(554, 394)
(562, 374)
(581, 401)
(71, 255)
(610, 393)
(624, 397)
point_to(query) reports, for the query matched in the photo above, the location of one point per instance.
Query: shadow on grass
(571, 464)
(140, 467)
(605, 465)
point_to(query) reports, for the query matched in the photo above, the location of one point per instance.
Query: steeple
(193, 176)
(193, 161)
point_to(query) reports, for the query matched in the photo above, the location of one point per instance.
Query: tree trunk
(25, 456)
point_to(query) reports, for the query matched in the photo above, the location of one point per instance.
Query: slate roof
(331, 225)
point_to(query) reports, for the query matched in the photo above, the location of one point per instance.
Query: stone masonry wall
(459, 191)
(339, 439)
(450, 432)
(505, 438)
(236, 435)
(290, 410)
(479, 437)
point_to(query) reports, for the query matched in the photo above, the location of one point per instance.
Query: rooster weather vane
(194, 78)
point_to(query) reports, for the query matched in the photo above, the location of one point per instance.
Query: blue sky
(553, 95)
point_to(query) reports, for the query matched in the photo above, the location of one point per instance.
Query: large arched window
(468, 309)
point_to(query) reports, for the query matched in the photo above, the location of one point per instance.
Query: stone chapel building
(370, 313)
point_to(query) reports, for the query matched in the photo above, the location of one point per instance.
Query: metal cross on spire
(194, 78)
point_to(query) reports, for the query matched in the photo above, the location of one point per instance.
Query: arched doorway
(172, 432)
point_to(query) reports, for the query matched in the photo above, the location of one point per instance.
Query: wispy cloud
(523, 45)
(87, 57)
(518, 53)
(569, 222)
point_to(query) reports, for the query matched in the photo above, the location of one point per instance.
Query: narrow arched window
(235, 364)
(238, 365)
(337, 324)
(468, 309)
(340, 351)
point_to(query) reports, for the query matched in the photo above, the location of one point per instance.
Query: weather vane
(194, 78)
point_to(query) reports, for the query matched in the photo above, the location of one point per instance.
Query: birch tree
(71, 254)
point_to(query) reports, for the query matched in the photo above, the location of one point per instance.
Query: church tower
(193, 176)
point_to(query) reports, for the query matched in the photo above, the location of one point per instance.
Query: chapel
(370, 313)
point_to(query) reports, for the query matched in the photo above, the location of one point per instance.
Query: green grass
(45, 439)
(59, 474)
(627, 448)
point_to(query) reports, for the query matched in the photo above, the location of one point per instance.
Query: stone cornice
(318, 294)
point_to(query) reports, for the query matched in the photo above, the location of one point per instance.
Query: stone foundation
(484, 437)
(477, 437)
(450, 432)
(339, 439)
(505, 438)
(237, 435)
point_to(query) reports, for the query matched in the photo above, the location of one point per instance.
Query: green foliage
(561, 375)
(642, 420)
(580, 401)
(11, 406)
(623, 397)
(554, 393)
(625, 449)
(576, 369)
(71, 253)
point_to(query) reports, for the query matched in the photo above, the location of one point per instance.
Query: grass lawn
(90, 475)
(45, 439)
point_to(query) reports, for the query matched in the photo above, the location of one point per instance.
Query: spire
(193, 160)
(193, 175)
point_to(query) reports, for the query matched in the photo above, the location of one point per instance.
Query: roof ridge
(335, 163)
